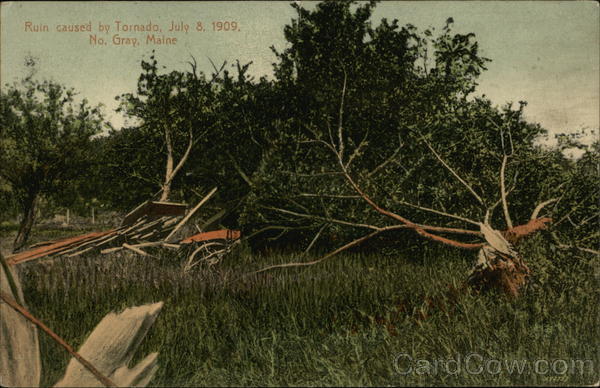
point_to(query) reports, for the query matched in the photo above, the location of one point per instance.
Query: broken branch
(540, 206)
(190, 214)
(503, 194)
(439, 158)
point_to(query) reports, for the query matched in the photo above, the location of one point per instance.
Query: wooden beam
(190, 214)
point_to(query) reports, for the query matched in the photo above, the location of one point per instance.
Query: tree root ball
(495, 270)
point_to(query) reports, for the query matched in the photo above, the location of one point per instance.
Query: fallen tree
(498, 264)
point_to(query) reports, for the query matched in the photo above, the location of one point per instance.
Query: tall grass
(342, 322)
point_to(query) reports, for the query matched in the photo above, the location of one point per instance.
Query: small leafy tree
(44, 138)
(174, 113)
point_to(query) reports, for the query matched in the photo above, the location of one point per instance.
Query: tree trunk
(166, 191)
(166, 187)
(29, 208)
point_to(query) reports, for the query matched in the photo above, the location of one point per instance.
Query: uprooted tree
(499, 264)
(382, 134)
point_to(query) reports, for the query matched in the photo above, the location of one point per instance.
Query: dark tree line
(397, 105)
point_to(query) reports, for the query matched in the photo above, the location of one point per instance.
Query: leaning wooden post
(190, 214)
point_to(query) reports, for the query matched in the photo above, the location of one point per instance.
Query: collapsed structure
(151, 224)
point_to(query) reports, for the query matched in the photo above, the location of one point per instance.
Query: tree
(45, 135)
(173, 111)
(382, 134)
(391, 88)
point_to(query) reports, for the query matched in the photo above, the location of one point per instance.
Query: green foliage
(45, 134)
(382, 97)
(385, 92)
(44, 143)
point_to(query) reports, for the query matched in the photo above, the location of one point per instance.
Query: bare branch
(490, 211)
(135, 249)
(440, 229)
(169, 166)
(341, 118)
(190, 214)
(540, 206)
(194, 65)
(319, 141)
(384, 163)
(583, 249)
(316, 174)
(314, 240)
(444, 240)
(217, 71)
(326, 219)
(357, 150)
(362, 239)
(560, 245)
(503, 194)
(239, 170)
(313, 195)
(438, 212)
(439, 158)
(185, 155)
(575, 207)
(327, 256)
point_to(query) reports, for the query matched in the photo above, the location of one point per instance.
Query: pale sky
(544, 52)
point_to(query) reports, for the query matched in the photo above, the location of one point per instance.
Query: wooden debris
(150, 225)
(223, 234)
(190, 214)
(102, 360)
(20, 364)
(52, 248)
(136, 250)
(153, 210)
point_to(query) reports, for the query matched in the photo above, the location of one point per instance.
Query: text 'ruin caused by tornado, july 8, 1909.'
(123, 33)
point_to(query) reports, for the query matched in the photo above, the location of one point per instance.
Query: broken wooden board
(145, 229)
(111, 347)
(54, 247)
(153, 210)
(223, 234)
(106, 353)
(20, 364)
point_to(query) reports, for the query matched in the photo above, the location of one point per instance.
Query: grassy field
(355, 319)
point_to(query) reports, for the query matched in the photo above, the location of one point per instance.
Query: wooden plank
(134, 249)
(57, 246)
(154, 209)
(132, 227)
(97, 245)
(190, 214)
(147, 235)
(173, 246)
(150, 225)
(223, 234)
(92, 241)
(130, 217)
(81, 252)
